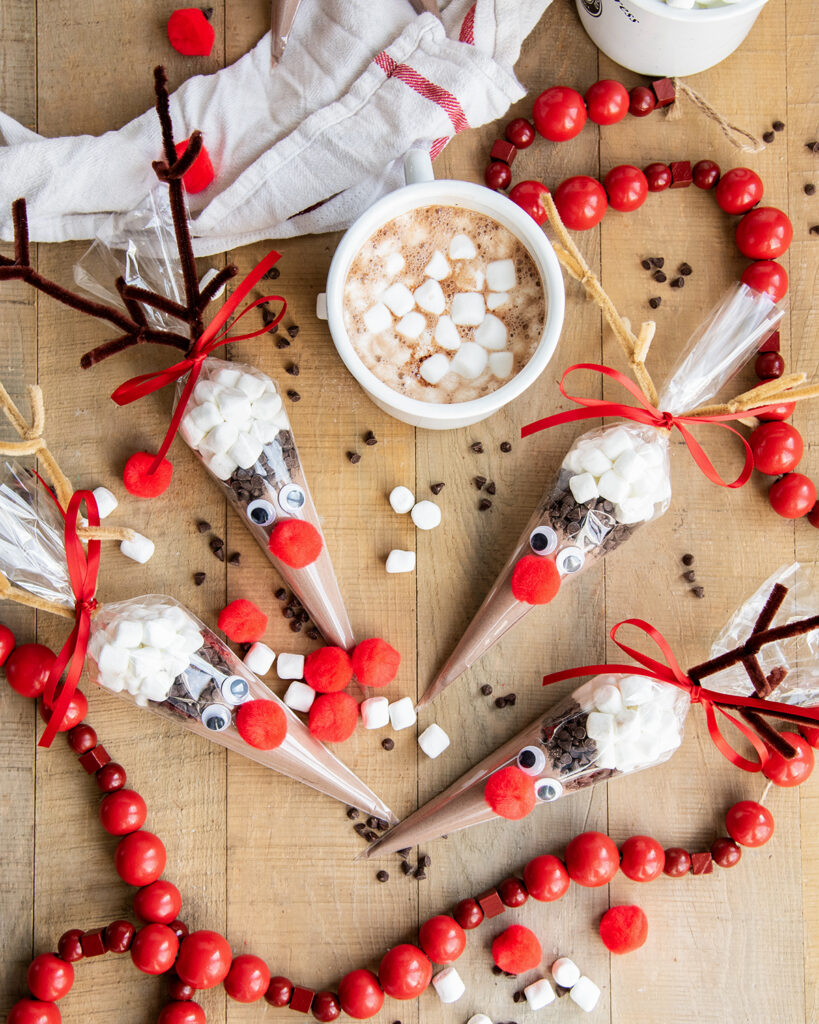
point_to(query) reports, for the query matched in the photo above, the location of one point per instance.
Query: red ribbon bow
(647, 413)
(211, 338)
(711, 700)
(82, 573)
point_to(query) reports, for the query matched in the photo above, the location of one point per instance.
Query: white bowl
(652, 38)
(440, 416)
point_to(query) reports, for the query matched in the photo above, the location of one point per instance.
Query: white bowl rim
(662, 10)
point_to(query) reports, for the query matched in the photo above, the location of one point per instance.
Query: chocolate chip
(685, 270)
(407, 850)
(280, 594)
(655, 302)
(437, 488)
(268, 316)
(687, 559)
(809, 189)
(476, 447)
(420, 873)
(220, 553)
(486, 689)
(659, 277)
(198, 578)
(272, 274)
(698, 591)
(354, 457)
(511, 698)
(293, 331)
(292, 369)
(203, 526)
(235, 559)
(646, 264)
(778, 126)
(768, 136)
(484, 504)
(303, 617)
(425, 859)
(690, 575)
(282, 342)
(370, 836)
(372, 821)
(388, 744)
(506, 446)
(383, 876)
(500, 702)
(814, 229)
(496, 969)
(294, 396)
(657, 261)
(812, 146)
(289, 613)
(678, 282)
(296, 626)
(406, 867)
(479, 481)
(361, 828)
(516, 998)
(352, 813)
(216, 543)
(370, 439)
(312, 633)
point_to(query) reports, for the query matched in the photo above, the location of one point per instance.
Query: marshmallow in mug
(143, 650)
(230, 417)
(625, 465)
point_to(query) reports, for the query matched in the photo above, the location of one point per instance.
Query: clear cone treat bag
(616, 478)
(627, 718)
(149, 650)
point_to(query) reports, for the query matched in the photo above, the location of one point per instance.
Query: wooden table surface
(271, 863)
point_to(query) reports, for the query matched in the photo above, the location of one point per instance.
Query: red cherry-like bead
(27, 669)
(181, 1013)
(158, 902)
(792, 496)
(641, 101)
(769, 366)
(725, 852)
(82, 738)
(404, 972)
(658, 177)
(764, 233)
(528, 195)
(738, 190)
(180, 929)
(69, 947)
(777, 447)
(520, 133)
(111, 777)
(497, 175)
(118, 936)
(705, 174)
(326, 1007)
(75, 712)
(559, 113)
(248, 978)
(813, 519)
(442, 939)
(360, 995)
(592, 859)
(468, 913)
(607, 101)
(279, 991)
(767, 276)
(677, 862)
(204, 959)
(749, 823)
(7, 643)
(642, 859)
(791, 771)
(581, 202)
(513, 892)
(154, 949)
(122, 812)
(140, 858)
(30, 1011)
(626, 188)
(49, 977)
(546, 878)
(180, 990)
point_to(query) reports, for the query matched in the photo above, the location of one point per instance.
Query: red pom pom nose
(295, 542)
(242, 621)
(510, 792)
(262, 724)
(624, 929)
(333, 717)
(200, 174)
(375, 662)
(328, 669)
(535, 580)
(517, 950)
(140, 481)
(190, 32)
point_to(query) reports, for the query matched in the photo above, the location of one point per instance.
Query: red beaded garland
(31, 1011)
(181, 1013)
(111, 777)
(626, 187)
(749, 823)
(360, 994)
(513, 892)
(75, 712)
(180, 990)
(154, 949)
(658, 177)
(326, 1007)
(738, 190)
(69, 947)
(497, 175)
(559, 114)
(581, 202)
(122, 812)
(82, 738)
(677, 862)
(248, 978)
(546, 878)
(7, 642)
(279, 991)
(641, 101)
(642, 859)
(764, 233)
(792, 496)
(49, 977)
(404, 972)
(777, 447)
(159, 902)
(27, 669)
(204, 959)
(520, 133)
(118, 936)
(607, 101)
(140, 858)
(705, 174)
(725, 852)
(592, 859)
(442, 939)
(766, 276)
(790, 771)
(468, 913)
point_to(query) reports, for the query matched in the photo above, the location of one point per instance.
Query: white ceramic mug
(651, 38)
(423, 190)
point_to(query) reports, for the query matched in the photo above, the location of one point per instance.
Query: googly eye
(569, 559)
(543, 540)
(216, 717)
(531, 760)
(235, 689)
(547, 790)
(291, 499)
(261, 512)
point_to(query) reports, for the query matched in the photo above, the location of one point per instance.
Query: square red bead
(665, 92)
(771, 344)
(702, 863)
(491, 903)
(681, 176)
(93, 942)
(504, 151)
(302, 999)
(93, 760)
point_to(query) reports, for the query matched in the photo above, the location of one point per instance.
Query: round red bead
(248, 978)
(520, 132)
(546, 878)
(642, 859)
(791, 771)
(179, 989)
(140, 858)
(769, 366)
(528, 195)
(792, 496)
(154, 949)
(764, 233)
(705, 174)
(641, 101)
(442, 939)
(725, 852)
(27, 669)
(779, 411)
(326, 1007)
(279, 991)
(180, 929)
(7, 643)
(122, 812)
(404, 972)
(626, 188)
(559, 113)
(513, 892)
(30, 1011)
(181, 1013)
(677, 862)
(766, 276)
(592, 859)
(658, 177)
(204, 959)
(49, 977)
(497, 175)
(777, 447)
(749, 823)
(75, 712)
(69, 947)
(581, 202)
(82, 738)
(738, 190)
(118, 936)
(468, 913)
(158, 902)
(111, 777)
(607, 101)
(360, 994)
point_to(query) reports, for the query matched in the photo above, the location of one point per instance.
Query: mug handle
(418, 167)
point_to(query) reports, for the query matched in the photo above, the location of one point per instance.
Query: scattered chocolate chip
(690, 575)
(217, 546)
(292, 369)
(405, 852)
(294, 396)
(296, 626)
(809, 189)
(646, 264)
(203, 526)
(273, 274)
(312, 633)
(383, 876)
(406, 867)
(361, 828)
(370, 439)
(486, 689)
(420, 873)
(303, 616)
(354, 457)
(812, 146)
(289, 613)
(476, 447)
(561, 991)
(687, 559)
(282, 342)
(814, 229)
(425, 859)
(370, 836)
(280, 594)
(479, 481)
(268, 316)
(490, 487)
(678, 282)
(388, 744)
(511, 698)
(659, 277)
(778, 126)
(500, 702)
(496, 969)
(293, 331)
(768, 136)
(437, 488)
(372, 821)
(484, 504)
(516, 998)
(506, 446)
(235, 559)
(657, 261)
(198, 578)
(685, 269)
(208, 12)
(655, 302)
(352, 813)
(698, 591)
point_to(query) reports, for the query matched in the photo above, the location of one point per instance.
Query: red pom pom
(510, 792)
(623, 929)
(242, 621)
(139, 479)
(190, 32)
(535, 580)
(333, 717)
(262, 724)
(328, 669)
(200, 173)
(517, 950)
(375, 663)
(295, 542)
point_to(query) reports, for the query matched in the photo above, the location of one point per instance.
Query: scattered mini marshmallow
(433, 741)
(290, 666)
(299, 696)
(430, 297)
(400, 561)
(446, 333)
(321, 306)
(585, 993)
(394, 263)
(411, 325)
(435, 368)
(106, 502)
(448, 984)
(468, 309)
(461, 247)
(378, 318)
(496, 299)
(565, 972)
(375, 712)
(438, 268)
(259, 658)
(583, 487)
(469, 361)
(539, 994)
(140, 548)
(491, 333)
(500, 275)
(479, 1018)
(398, 298)
(426, 515)
(501, 364)
(402, 714)
(402, 499)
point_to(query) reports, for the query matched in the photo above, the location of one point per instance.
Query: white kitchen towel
(361, 83)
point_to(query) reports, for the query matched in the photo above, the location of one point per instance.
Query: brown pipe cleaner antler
(133, 324)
